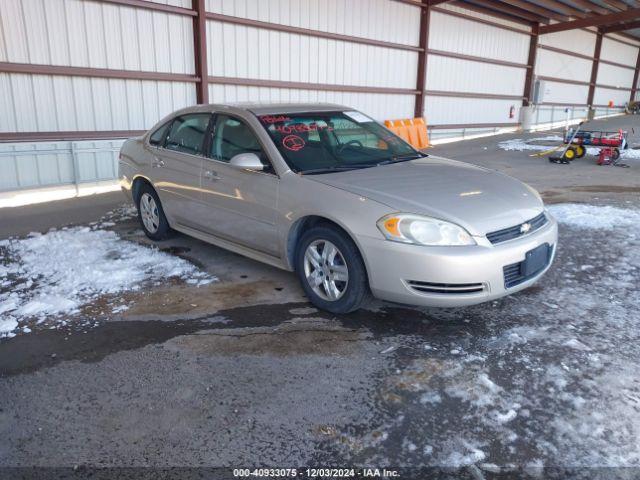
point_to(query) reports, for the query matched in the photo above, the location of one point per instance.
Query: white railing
(49, 164)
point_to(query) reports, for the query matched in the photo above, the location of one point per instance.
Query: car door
(176, 167)
(241, 203)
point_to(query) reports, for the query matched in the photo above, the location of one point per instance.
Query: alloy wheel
(326, 270)
(149, 213)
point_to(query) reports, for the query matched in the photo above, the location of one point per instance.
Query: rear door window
(187, 133)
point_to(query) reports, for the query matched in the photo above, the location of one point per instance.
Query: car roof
(270, 108)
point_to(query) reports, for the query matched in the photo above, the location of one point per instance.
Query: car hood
(478, 199)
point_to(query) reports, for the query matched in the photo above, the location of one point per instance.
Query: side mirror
(247, 161)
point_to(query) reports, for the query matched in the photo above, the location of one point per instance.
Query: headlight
(407, 228)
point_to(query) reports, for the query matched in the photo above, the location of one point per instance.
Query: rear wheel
(580, 151)
(616, 154)
(331, 270)
(151, 215)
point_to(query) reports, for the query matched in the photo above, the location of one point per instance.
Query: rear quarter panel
(133, 161)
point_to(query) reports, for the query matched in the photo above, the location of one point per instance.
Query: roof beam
(622, 27)
(592, 21)
(487, 11)
(562, 7)
(546, 13)
(591, 6)
(494, 7)
(617, 4)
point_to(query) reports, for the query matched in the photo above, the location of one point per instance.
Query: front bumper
(394, 267)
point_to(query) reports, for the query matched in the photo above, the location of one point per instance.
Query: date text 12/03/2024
(316, 472)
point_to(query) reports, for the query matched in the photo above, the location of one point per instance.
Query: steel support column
(531, 65)
(200, 51)
(634, 85)
(594, 68)
(425, 15)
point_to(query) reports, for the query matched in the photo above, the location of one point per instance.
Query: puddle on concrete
(312, 337)
(185, 301)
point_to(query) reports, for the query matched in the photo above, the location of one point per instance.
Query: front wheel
(331, 270)
(570, 154)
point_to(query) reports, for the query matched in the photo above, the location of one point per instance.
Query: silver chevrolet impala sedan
(329, 193)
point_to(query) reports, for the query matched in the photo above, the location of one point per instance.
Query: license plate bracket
(535, 260)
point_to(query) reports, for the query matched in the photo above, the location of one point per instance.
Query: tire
(580, 151)
(151, 215)
(347, 296)
(570, 154)
(616, 154)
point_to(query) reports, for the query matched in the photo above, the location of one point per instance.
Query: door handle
(211, 175)
(157, 163)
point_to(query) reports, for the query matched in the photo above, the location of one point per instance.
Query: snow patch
(595, 217)
(46, 276)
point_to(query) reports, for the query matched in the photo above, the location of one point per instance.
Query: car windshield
(322, 142)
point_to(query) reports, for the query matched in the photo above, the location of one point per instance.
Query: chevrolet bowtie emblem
(525, 227)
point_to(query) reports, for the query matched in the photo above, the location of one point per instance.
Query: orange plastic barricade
(413, 131)
(423, 135)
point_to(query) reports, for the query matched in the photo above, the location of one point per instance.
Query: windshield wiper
(339, 168)
(402, 158)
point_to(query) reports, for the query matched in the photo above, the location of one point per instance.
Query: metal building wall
(615, 70)
(475, 75)
(85, 35)
(74, 71)
(564, 63)
(257, 63)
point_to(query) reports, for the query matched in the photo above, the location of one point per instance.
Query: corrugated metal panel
(41, 164)
(603, 96)
(482, 16)
(48, 103)
(452, 74)
(459, 35)
(175, 3)
(247, 52)
(616, 36)
(559, 65)
(614, 76)
(555, 92)
(94, 34)
(577, 41)
(452, 110)
(618, 52)
(377, 19)
(378, 106)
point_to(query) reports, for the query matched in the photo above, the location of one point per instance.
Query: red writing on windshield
(301, 127)
(293, 143)
(275, 118)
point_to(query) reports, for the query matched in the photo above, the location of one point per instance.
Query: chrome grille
(450, 288)
(516, 231)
